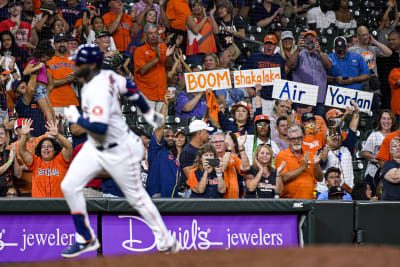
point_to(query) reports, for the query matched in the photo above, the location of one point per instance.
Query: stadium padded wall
(327, 222)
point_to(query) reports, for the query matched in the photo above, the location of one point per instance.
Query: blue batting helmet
(88, 54)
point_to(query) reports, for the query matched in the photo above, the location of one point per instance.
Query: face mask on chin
(62, 49)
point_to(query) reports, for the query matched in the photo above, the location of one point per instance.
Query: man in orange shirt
(150, 73)
(119, 24)
(60, 69)
(232, 164)
(301, 170)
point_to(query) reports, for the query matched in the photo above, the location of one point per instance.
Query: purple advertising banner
(130, 234)
(37, 237)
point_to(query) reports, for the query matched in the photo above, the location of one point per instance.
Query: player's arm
(25, 131)
(74, 116)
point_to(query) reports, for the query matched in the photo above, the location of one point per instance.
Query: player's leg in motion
(83, 168)
(127, 156)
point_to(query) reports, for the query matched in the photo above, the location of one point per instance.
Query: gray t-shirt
(370, 54)
(383, 35)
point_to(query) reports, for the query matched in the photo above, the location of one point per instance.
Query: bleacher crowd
(228, 143)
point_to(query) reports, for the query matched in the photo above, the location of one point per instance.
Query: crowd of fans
(230, 143)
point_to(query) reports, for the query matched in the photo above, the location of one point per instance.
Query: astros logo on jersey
(97, 110)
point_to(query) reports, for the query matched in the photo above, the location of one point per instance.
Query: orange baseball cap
(333, 114)
(241, 104)
(313, 33)
(261, 117)
(270, 38)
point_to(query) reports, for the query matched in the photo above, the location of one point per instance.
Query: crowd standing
(229, 143)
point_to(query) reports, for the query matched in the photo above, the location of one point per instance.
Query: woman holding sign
(243, 122)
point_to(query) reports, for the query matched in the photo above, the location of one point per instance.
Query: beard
(172, 148)
(83, 72)
(297, 147)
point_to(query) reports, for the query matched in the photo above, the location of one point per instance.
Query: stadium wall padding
(326, 222)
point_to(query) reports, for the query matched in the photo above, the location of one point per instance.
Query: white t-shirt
(8, 60)
(373, 143)
(323, 20)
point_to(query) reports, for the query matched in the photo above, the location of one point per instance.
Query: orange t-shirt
(384, 150)
(314, 142)
(302, 186)
(64, 95)
(122, 35)
(394, 76)
(25, 183)
(154, 83)
(231, 179)
(177, 12)
(47, 177)
(319, 123)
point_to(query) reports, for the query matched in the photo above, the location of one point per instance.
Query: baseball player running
(111, 146)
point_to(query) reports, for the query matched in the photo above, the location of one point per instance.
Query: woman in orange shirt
(48, 165)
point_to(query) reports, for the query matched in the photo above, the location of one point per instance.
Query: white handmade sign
(249, 78)
(339, 97)
(202, 80)
(297, 92)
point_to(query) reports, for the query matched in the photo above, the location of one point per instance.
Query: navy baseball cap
(340, 43)
(61, 37)
(307, 116)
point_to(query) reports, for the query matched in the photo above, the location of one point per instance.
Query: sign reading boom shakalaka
(202, 80)
(297, 92)
(340, 97)
(249, 78)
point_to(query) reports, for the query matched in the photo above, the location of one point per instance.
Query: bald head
(363, 35)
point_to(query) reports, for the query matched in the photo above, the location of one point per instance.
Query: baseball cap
(336, 190)
(12, 3)
(313, 33)
(340, 43)
(60, 37)
(241, 104)
(90, 5)
(270, 38)
(18, 123)
(198, 125)
(333, 114)
(179, 131)
(4, 72)
(261, 117)
(287, 35)
(102, 33)
(72, 37)
(307, 116)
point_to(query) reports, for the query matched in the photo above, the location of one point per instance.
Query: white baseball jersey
(100, 103)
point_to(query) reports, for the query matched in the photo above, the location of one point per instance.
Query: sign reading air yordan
(340, 97)
(37, 237)
(297, 92)
(202, 80)
(249, 78)
(130, 234)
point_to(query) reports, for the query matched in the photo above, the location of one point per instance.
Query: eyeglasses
(294, 139)
(47, 147)
(218, 142)
(260, 125)
(12, 194)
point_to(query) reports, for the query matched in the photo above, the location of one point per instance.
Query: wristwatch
(228, 150)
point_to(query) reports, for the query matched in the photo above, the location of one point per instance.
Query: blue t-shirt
(232, 96)
(70, 14)
(352, 65)
(324, 196)
(32, 111)
(186, 159)
(260, 61)
(164, 170)
(391, 191)
(211, 187)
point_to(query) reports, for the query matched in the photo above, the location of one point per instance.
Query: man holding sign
(266, 59)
